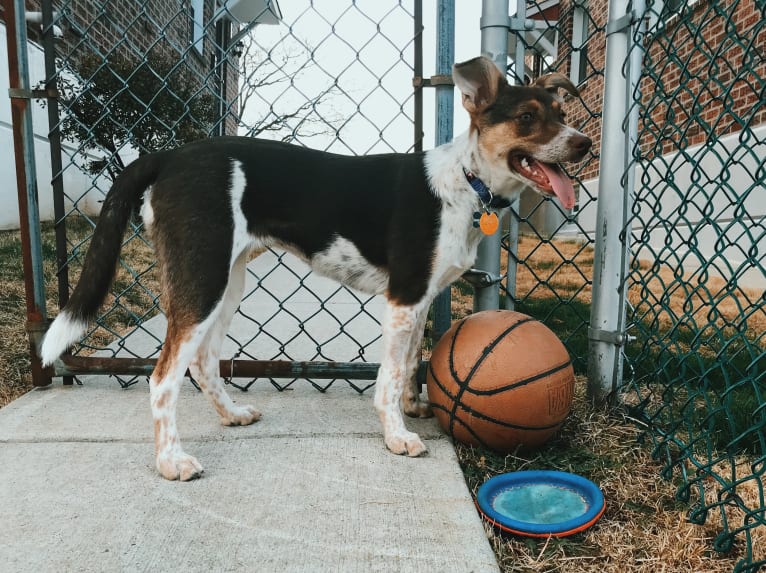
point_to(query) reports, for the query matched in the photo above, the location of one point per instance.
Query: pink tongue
(562, 185)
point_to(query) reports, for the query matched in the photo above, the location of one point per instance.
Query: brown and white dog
(401, 225)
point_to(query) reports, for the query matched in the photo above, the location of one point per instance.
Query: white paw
(179, 466)
(241, 416)
(407, 443)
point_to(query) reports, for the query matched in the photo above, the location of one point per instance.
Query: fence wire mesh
(550, 257)
(136, 77)
(696, 366)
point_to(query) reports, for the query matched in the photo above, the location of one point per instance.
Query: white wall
(703, 166)
(76, 182)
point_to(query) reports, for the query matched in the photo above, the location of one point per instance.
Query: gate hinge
(437, 80)
(525, 24)
(36, 329)
(478, 278)
(621, 24)
(608, 336)
(21, 93)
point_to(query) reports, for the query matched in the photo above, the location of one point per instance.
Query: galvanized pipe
(615, 191)
(417, 68)
(445, 110)
(57, 169)
(26, 180)
(494, 44)
(513, 219)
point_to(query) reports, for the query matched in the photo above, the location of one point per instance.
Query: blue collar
(488, 200)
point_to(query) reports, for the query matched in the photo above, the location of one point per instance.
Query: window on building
(580, 34)
(661, 12)
(197, 8)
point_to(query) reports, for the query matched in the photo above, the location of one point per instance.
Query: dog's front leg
(400, 333)
(412, 405)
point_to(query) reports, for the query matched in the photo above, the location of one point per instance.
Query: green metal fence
(695, 370)
(689, 229)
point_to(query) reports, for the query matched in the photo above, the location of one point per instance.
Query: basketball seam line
(464, 384)
(522, 382)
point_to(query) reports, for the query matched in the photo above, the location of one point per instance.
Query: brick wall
(699, 80)
(135, 29)
(704, 77)
(585, 113)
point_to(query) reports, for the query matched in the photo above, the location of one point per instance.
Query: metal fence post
(445, 110)
(23, 145)
(495, 26)
(513, 220)
(606, 333)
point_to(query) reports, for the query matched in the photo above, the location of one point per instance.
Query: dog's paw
(417, 409)
(179, 467)
(241, 416)
(406, 443)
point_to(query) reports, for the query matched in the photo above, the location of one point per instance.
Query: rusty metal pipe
(82, 365)
(26, 181)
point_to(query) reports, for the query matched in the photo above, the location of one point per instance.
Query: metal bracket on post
(526, 24)
(433, 81)
(621, 24)
(610, 337)
(20, 93)
(479, 278)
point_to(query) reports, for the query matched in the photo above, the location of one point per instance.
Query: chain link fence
(696, 366)
(695, 363)
(136, 77)
(549, 250)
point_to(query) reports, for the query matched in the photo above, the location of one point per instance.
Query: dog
(400, 225)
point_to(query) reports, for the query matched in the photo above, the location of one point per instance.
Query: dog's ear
(478, 80)
(552, 82)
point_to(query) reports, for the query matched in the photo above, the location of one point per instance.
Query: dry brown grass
(15, 377)
(643, 530)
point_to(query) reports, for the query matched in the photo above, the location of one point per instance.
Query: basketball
(500, 379)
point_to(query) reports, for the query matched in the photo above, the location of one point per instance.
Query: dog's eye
(526, 117)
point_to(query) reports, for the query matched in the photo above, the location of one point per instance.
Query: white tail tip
(62, 334)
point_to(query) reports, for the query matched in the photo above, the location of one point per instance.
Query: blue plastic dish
(541, 503)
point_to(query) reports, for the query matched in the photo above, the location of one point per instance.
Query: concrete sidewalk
(310, 487)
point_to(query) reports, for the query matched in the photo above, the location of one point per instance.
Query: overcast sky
(359, 48)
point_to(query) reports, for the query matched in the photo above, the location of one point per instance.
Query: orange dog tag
(488, 223)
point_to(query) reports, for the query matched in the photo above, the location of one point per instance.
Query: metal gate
(135, 77)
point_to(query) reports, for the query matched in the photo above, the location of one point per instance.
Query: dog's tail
(101, 258)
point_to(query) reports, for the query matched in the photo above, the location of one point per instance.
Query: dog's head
(521, 131)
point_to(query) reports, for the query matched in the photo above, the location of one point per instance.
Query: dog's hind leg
(400, 334)
(412, 405)
(181, 343)
(205, 366)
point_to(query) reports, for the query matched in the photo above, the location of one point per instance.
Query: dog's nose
(581, 144)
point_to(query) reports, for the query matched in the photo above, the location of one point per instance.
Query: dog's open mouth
(547, 177)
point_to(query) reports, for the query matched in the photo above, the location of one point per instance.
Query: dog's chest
(457, 244)
(342, 261)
